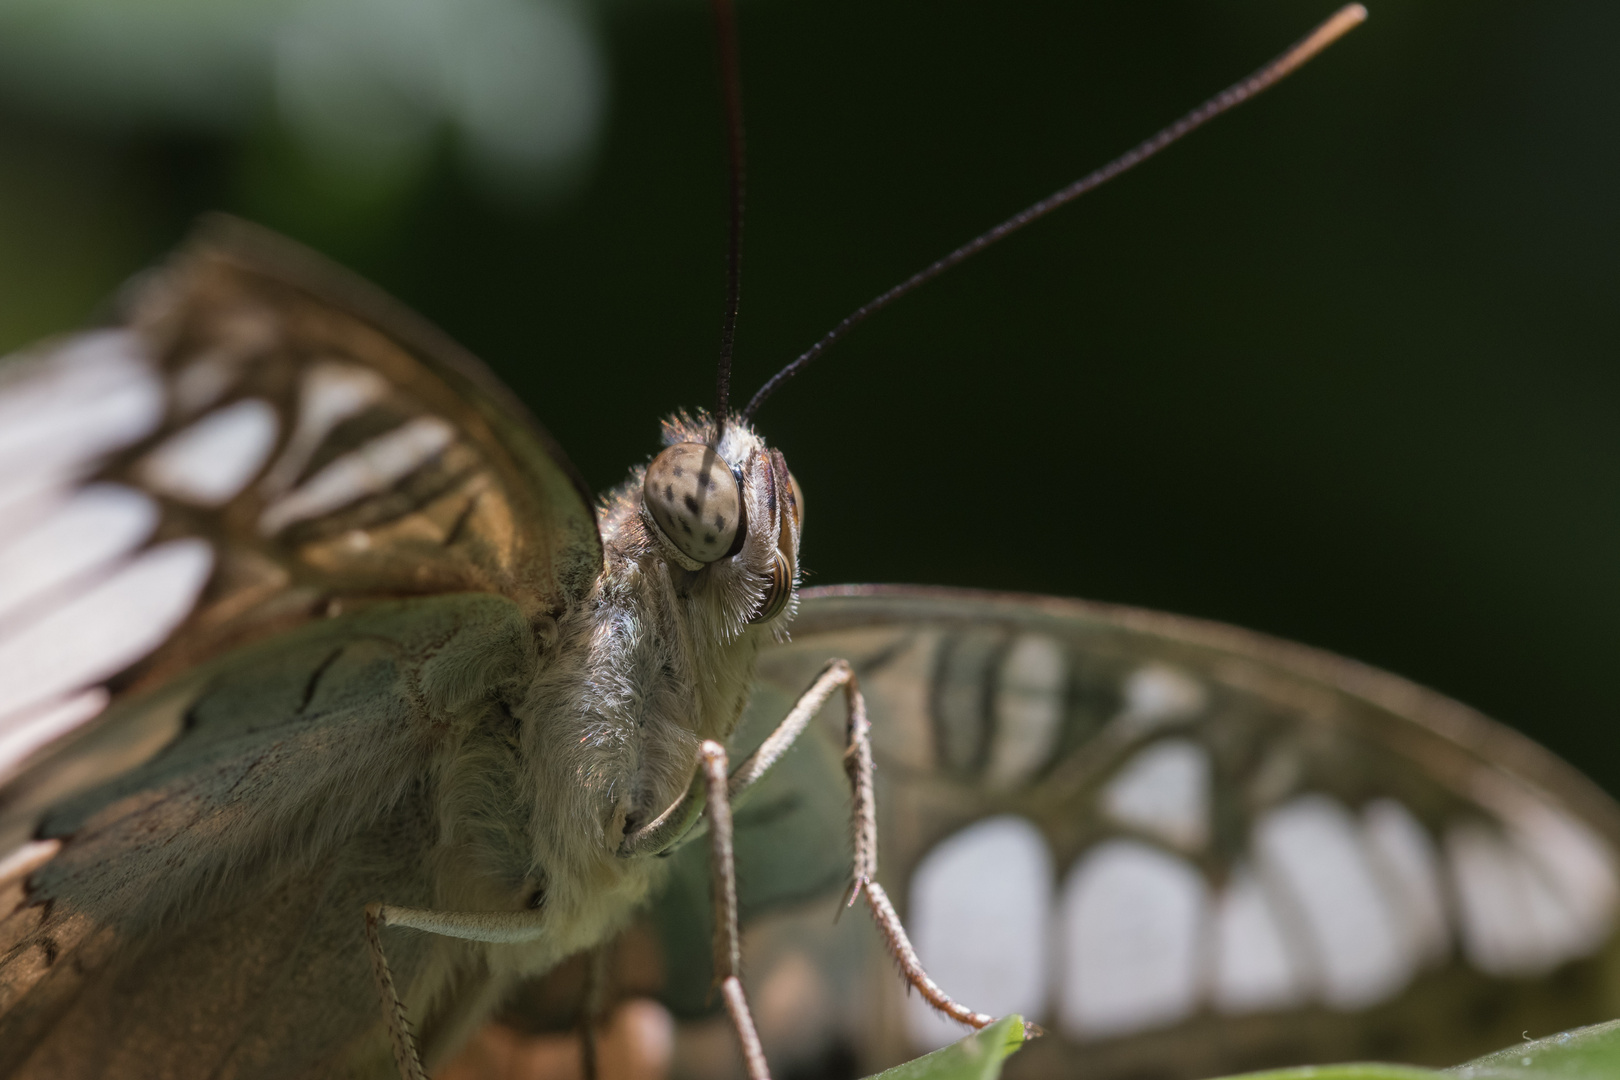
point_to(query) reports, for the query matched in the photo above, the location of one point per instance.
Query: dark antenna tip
(725, 33)
(1337, 25)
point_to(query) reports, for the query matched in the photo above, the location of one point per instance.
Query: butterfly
(300, 613)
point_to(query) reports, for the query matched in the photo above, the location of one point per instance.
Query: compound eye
(694, 498)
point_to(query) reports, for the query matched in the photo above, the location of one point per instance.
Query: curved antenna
(1341, 22)
(725, 33)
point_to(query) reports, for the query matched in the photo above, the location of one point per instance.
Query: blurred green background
(1341, 368)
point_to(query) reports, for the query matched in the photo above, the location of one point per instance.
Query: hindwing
(1182, 848)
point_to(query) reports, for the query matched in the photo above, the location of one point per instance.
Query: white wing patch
(978, 902)
(1253, 969)
(86, 533)
(1512, 921)
(26, 859)
(1312, 848)
(1328, 906)
(213, 459)
(27, 732)
(62, 412)
(1134, 921)
(1156, 695)
(1335, 908)
(1404, 856)
(102, 629)
(1164, 791)
(373, 468)
(79, 599)
(329, 393)
(1576, 864)
(1528, 900)
(1030, 690)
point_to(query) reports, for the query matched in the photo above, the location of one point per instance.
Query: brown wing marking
(264, 441)
(496, 508)
(296, 998)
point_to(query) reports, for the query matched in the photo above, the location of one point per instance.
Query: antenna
(1341, 22)
(725, 33)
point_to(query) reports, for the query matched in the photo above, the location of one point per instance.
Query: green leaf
(1360, 1070)
(977, 1057)
(1589, 1053)
(1583, 1054)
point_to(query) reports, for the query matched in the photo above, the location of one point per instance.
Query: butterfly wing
(262, 441)
(266, 542)
(1183, 848)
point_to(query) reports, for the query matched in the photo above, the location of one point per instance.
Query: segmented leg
(863, 823)
(727, 947)
(399, 1033)
(863, 837)
(495, 926)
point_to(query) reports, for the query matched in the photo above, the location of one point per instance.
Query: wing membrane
(249, 811)
(1184, 848)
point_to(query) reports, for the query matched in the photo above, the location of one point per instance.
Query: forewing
(269, 547)
(1182, 848)
(260, 441)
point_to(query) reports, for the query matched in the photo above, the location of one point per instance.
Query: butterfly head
(728, 514)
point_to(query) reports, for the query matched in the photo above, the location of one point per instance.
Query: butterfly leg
(495, 926)
(727, 948)
(863, 820)
(863, 827)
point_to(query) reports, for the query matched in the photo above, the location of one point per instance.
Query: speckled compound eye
(695, 500)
